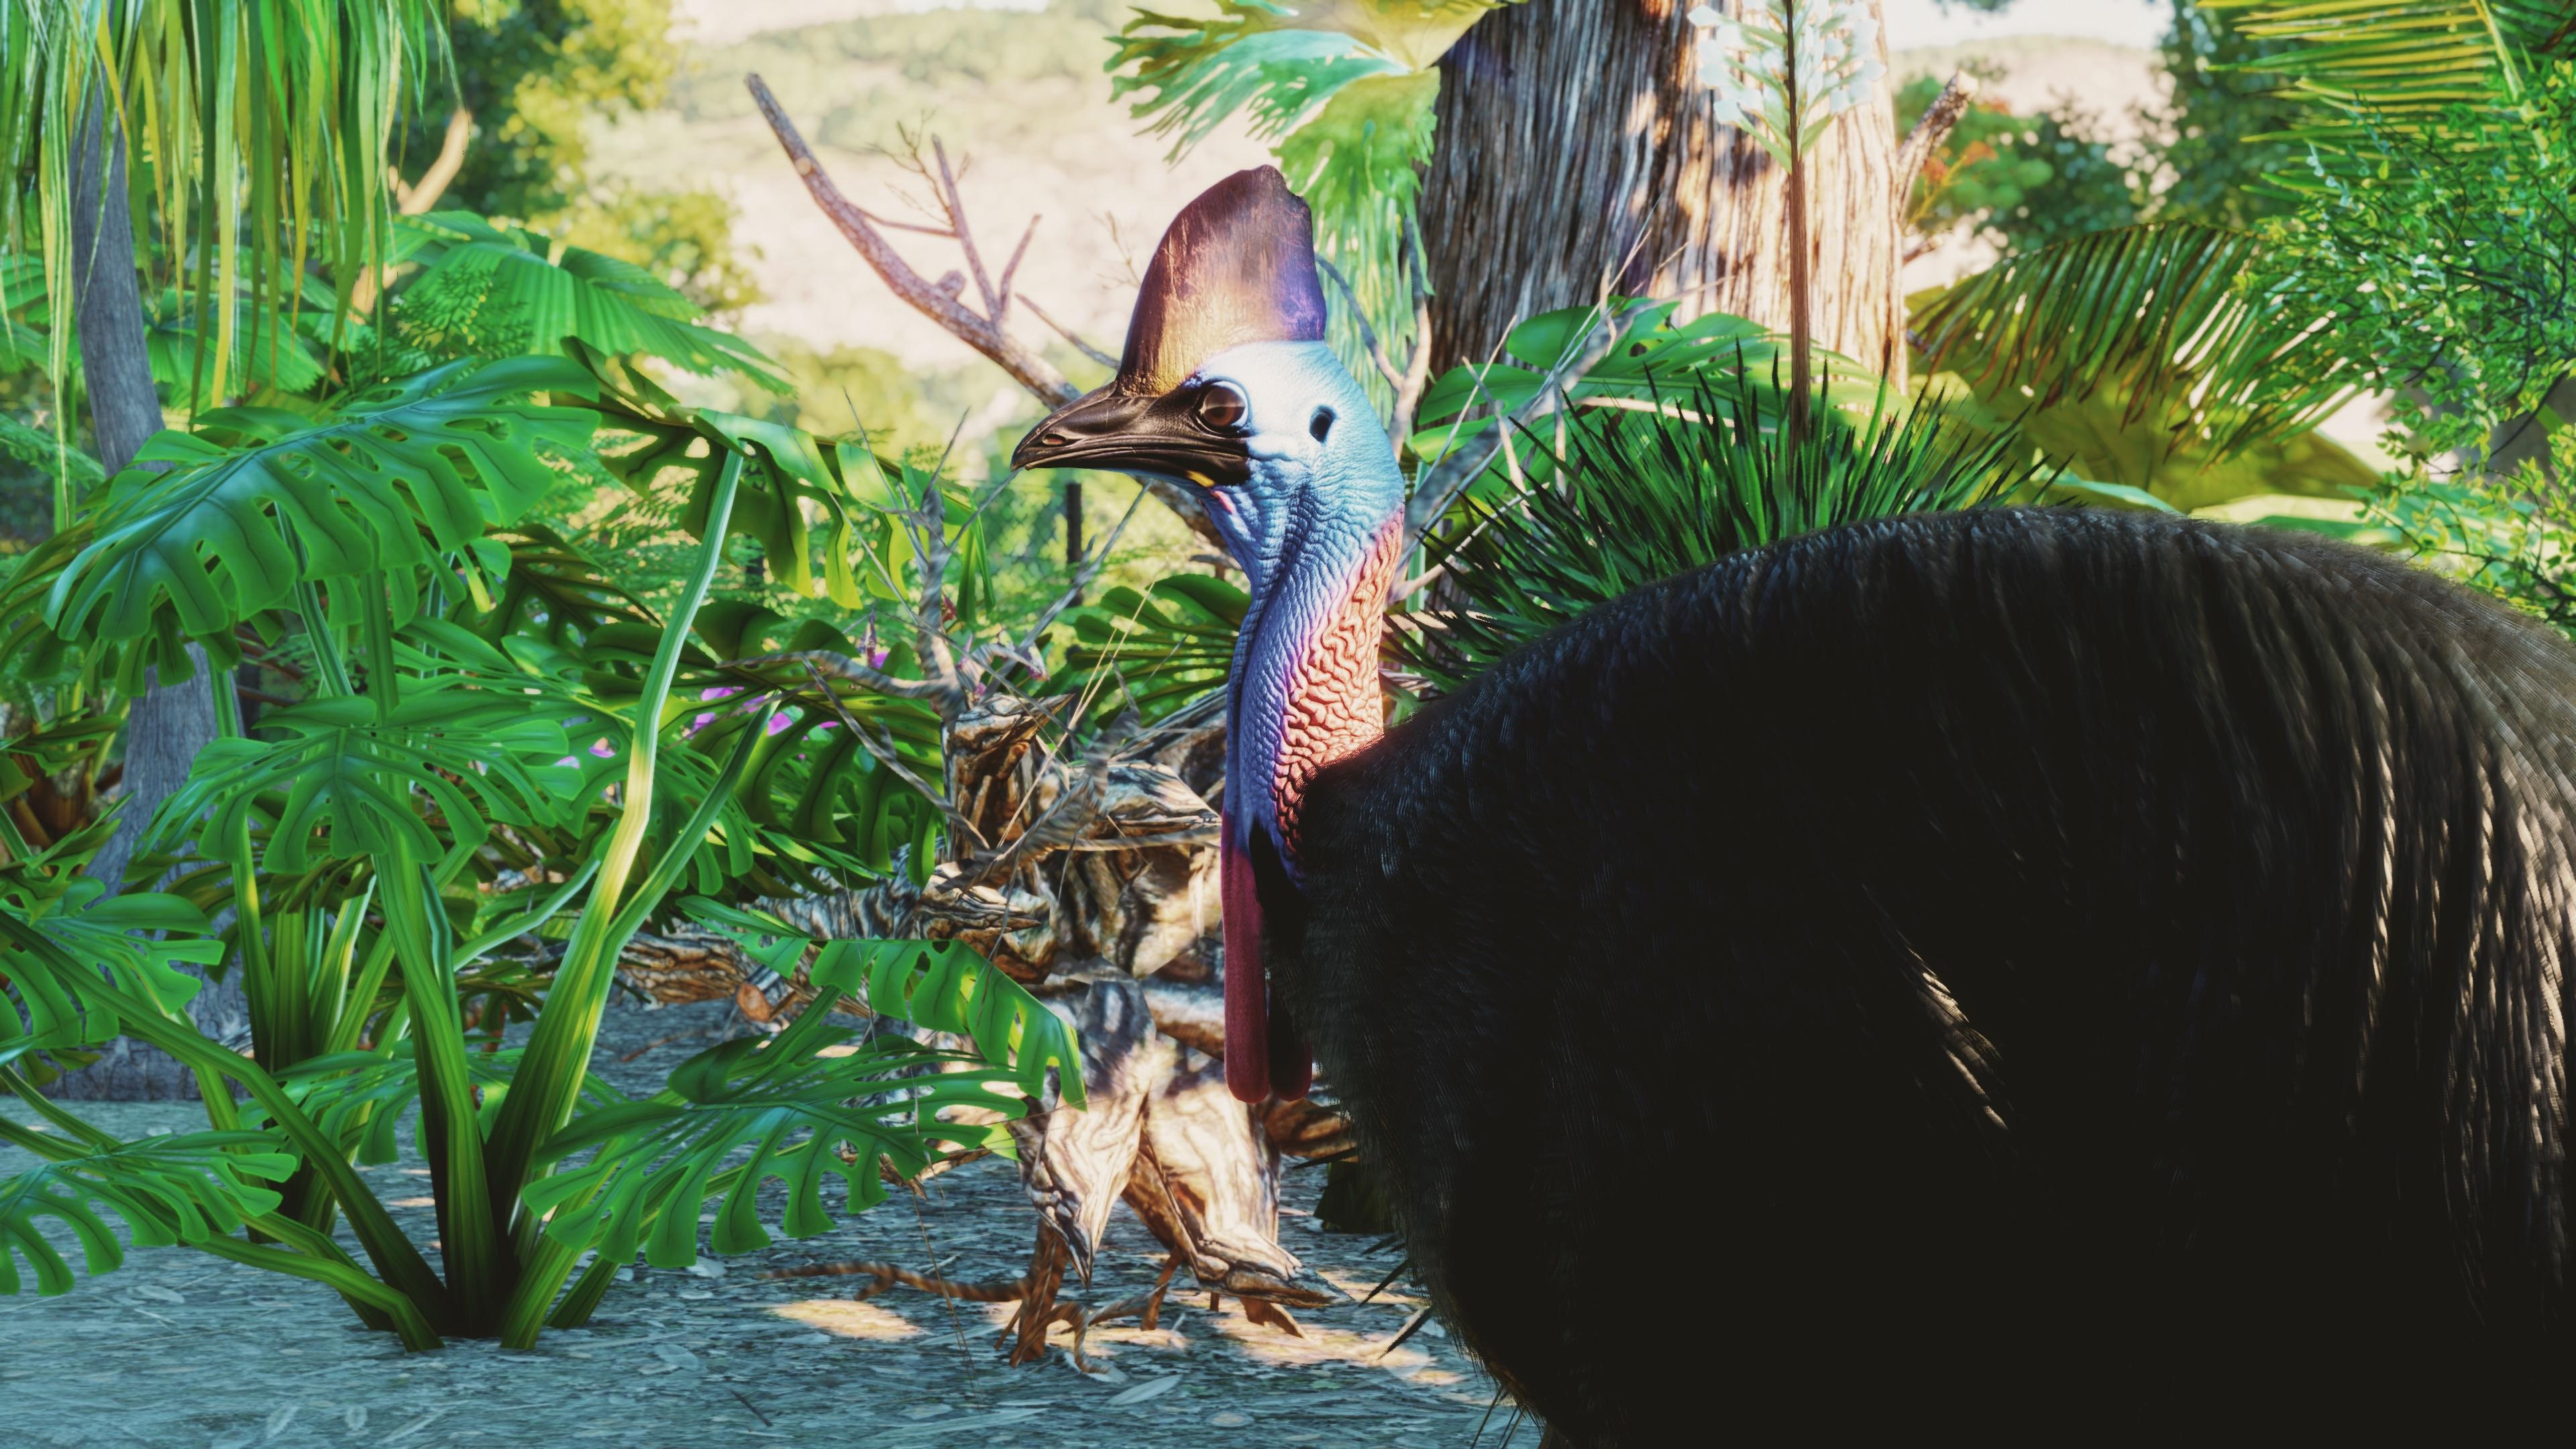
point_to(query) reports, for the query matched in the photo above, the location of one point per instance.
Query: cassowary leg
(1162, 1285)
(1038, 1307)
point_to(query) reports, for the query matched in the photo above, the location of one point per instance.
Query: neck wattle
(1305, 694)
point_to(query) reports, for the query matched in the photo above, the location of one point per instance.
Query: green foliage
(2023, 181)
(250, 101)
(1461, 417)
(75, 969)
(488, 291)
(1632, 497)
(1156, 650)
(2154, 317)
(2221, 132)
(255, 499)
(2513, 537)
(538, 77)
(807, 1104)
(179, 1188)
(339, 778)
(2444, 258)
(2361, 68)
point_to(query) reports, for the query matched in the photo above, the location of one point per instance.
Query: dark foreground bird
(1929, 936)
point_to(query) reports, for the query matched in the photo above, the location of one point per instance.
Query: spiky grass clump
(1635, 496)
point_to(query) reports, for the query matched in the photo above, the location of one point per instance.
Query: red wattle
(1247, 986)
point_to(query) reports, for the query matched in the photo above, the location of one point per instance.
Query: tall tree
(1578, 148)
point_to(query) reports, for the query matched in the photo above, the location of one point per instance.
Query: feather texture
(1964, 925)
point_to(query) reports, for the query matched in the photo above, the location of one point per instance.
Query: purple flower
(603, 749)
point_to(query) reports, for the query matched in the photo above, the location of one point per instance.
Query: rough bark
(1577, 151)
(170, 723)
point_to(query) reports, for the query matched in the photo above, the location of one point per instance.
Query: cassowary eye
(1321, 424)
(1223, 407)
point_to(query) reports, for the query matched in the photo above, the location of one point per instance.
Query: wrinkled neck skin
(1319, 531)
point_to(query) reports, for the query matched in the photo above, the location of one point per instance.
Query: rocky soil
(178, 1350)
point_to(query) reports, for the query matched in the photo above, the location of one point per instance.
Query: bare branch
(1068, 334)
(956, 208)
(1025, 367)
(829, 663)
(1441, 483)
(1946, 110)
(1002, 308)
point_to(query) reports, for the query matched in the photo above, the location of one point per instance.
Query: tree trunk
(170, 723)
(1577, 152)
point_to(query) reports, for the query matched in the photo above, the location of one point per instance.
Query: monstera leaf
(256, 500)
(338, 780)
(76, 965)
(360, 1099)
(179, 1188)
(807, 1104)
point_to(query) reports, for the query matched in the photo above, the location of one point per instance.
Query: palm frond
(1638, 496)
(2154, 314)
(2380, 64)
(261, 119)
(492, 291)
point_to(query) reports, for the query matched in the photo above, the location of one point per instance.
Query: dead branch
(1068, 334)
(842, 667)
(983, 332)
(1946, 110)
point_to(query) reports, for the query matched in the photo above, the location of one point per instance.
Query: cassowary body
(1936, 934)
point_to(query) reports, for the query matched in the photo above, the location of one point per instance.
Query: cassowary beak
(1128, 432)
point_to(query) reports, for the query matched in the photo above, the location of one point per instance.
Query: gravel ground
(177, 1349)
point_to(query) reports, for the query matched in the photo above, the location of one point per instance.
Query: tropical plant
(491, 743)
(2021, 181)
(1707, 468)
(2446, 260)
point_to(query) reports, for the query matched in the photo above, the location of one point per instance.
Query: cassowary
(2006, 926)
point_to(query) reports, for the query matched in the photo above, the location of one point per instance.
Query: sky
(2123, 22)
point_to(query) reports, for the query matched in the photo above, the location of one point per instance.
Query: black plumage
(2018, 922)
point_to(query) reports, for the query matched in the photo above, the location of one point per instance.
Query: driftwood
(1094, 882)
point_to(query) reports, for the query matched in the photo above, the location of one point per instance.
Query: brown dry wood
(171, 722)
(1577, 149)
(985, 331)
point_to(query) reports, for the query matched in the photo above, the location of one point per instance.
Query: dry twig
(983, 331)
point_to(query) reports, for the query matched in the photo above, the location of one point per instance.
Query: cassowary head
(1226, 386)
